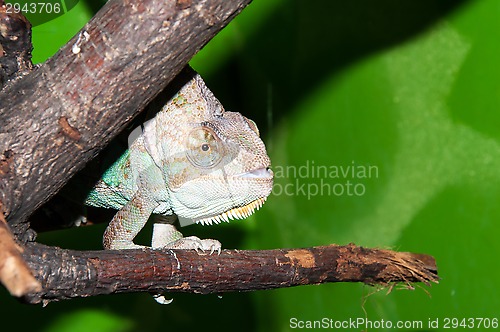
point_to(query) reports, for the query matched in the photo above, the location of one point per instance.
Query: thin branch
(15, 275)
(68, 274)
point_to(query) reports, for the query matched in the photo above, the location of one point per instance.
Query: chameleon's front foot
(195, 243)
(165, 236)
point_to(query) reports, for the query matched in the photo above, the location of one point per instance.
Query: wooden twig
(67, 274)
(15, 275)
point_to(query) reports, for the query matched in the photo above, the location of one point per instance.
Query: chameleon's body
(193, 160)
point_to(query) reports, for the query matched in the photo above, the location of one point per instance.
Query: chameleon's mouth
(259, 173)
(235, 213)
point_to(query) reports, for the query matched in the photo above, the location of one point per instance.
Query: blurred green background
(408, 88)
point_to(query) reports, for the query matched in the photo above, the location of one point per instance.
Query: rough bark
(55, 119)
(68, 274)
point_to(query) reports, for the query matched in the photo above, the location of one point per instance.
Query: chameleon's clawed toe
(195, 243)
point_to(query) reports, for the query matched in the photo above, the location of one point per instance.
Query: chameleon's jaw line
(241, 212)
(259, 173)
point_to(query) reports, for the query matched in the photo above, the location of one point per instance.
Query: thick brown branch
(67, 274)
(59, 116)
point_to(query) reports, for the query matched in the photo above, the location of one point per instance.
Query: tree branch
(15, 275)
(55, 119)
(68, 274)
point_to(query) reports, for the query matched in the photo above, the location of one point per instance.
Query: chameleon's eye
(204, 149)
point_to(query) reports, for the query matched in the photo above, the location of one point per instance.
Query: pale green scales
(193, 161)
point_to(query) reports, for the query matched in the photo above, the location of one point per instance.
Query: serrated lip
(241, 212)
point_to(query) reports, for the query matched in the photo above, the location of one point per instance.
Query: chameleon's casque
(193, 160)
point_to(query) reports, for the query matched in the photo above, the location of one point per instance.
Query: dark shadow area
(306, 42)
(94, 5)
(189, 312)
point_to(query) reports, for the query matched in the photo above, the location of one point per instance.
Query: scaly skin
(193, 161)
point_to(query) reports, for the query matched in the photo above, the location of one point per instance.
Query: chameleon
(193, 162)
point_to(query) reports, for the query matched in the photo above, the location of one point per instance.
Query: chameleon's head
(216, 167)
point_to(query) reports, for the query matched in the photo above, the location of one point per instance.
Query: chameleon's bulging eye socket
(252, 125)
(204, 148)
